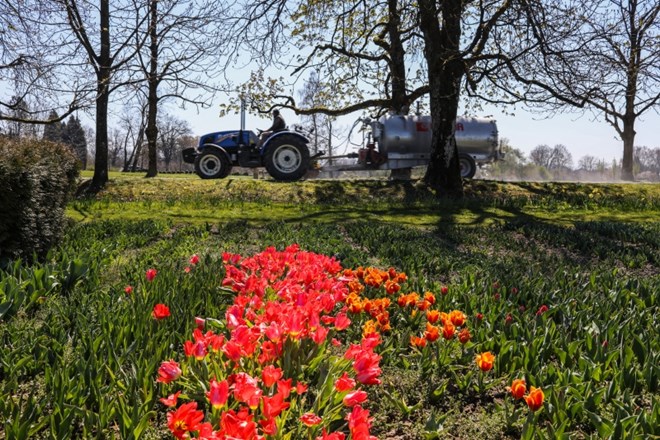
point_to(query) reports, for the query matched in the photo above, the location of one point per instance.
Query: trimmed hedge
(37, 178)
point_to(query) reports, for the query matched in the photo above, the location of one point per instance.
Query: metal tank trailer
(400, 142)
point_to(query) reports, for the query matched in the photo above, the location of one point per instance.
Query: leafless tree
(541, 155)
(171, 129)
(647, 159)
(320, 125)
(588, 163)
(34, 62)
(555, 158)
(596, 55)
(108, 33)
(182, 57)
(561, 158)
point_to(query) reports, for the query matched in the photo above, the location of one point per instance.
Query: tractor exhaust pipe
(242, 115)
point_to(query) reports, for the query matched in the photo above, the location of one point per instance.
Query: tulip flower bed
(299, 344)
(155, 329)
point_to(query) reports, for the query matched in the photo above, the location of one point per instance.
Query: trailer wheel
(467, 165)
(212, 164)
(287, 158)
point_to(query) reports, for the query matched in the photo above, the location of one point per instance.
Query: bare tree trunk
(628, 136)
(137, 148)
(397, 58)
(445, 71)
(628, 132)
(100, 177)
(152, 112)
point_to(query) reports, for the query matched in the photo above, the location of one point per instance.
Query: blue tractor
(284, 154)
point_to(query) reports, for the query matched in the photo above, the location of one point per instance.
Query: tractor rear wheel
(287, 158)
(212, 164)
(467, 165)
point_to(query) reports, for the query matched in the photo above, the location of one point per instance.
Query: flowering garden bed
(299, 347)
(155, 329)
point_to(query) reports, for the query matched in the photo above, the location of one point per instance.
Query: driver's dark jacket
(278, 124)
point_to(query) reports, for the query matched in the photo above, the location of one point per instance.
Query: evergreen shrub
(37, 179)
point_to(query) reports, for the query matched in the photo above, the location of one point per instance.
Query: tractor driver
(278, 125)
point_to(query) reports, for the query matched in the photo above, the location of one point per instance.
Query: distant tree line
(127, 147)
(556, 163)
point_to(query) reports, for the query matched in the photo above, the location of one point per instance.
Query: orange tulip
(432, 333)
(535, 398)
(432, 316)
(464, 336)
(457, 318)
(416, 341)
(518, 388)
(369, 327)
(392, 287)
(448, 330)
(423, 305)
(485, 361)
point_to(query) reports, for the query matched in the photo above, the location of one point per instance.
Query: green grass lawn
(79, 356)
(187, 198)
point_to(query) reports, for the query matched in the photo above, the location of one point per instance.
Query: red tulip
(170, 401)
(169, 371)
(359, 423)
(238, 425)
(331, 436)
(310, 419)
(184, 420)
(151, 274)
(355, 398)
(301, 388)
(344, 383)
(270, 375)
(274, 405)
(342, 321)
(218, 393)
(161, 311)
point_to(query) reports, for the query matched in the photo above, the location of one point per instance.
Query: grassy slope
(189, 199)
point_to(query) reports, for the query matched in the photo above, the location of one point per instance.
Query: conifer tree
(74, 135)
(53, 131)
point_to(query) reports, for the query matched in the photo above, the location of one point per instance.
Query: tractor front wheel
(212, 164)
(287, 158)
